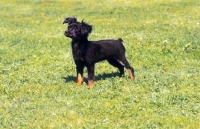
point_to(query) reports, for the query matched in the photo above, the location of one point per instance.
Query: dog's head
(78, 30)
(70, 20)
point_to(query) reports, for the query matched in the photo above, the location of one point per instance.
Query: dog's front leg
(90, 70)
(79, 79)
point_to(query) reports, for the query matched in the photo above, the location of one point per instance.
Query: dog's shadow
(99, 77)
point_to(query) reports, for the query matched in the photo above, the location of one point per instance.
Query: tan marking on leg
(79, 80)
(132, 77)
(90, 84)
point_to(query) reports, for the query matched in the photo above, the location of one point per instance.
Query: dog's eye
(75, 28)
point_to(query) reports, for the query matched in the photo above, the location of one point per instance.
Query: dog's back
(110, 45)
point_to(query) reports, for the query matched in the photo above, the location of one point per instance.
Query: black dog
(87, 53)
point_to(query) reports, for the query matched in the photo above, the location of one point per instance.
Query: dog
(86, 53)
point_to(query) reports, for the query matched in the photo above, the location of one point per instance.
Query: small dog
(87, 53)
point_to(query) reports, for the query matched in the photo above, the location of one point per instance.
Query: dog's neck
(80, 41)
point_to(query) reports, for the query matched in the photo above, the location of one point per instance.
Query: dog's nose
(66, 32)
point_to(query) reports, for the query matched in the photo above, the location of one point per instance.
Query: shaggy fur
(87, 53)
(69, 20)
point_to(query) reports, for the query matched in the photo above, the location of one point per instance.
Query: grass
(37, 71)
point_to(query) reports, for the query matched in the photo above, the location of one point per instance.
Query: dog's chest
(78, 52)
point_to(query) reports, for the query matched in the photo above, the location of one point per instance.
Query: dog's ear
(70, 20)
(85, 28)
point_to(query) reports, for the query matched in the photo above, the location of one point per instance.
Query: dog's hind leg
(116, 63)
(79, 79)
(123, 61)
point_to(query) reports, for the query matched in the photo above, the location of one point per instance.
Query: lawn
(37, 72)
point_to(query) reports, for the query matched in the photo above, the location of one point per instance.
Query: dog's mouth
(69, 35)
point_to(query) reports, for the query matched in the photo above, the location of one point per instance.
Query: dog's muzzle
(70, 35)
(66, 33)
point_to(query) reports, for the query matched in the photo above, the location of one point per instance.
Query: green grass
(37, 72)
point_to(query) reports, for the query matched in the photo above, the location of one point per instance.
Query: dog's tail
(120, 39)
